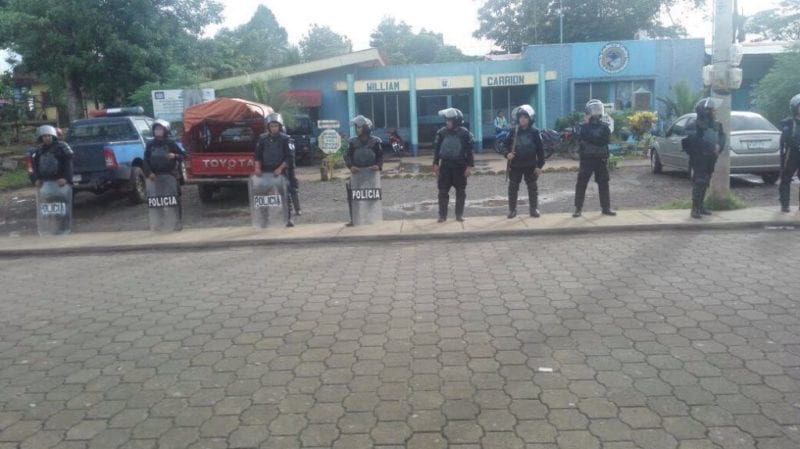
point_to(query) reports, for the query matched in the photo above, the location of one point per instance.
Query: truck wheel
(138, 193)
(206, 192)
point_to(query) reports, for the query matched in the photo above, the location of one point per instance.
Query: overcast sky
(455, 19)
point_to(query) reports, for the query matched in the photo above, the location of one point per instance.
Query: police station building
(555, 79)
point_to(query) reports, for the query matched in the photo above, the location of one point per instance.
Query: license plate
(77, 178)
(758, 144)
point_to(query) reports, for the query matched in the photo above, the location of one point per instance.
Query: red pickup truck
(220, 138)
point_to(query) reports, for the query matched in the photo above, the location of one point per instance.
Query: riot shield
(269, 207)
(366, 197)
(54, 209)
(164, 204)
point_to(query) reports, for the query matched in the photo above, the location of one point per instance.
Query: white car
(754, 146)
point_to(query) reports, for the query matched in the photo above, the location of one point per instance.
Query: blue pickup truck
(109, 148)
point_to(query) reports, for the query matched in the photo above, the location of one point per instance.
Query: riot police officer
(453, 161)
(52, 159)
(525, 154)
(704, 142)
(162, 154)
(594, 136)
(274, 152)
(364, 152)
(790, 151)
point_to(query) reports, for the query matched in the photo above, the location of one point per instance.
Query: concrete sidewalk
(397, 230)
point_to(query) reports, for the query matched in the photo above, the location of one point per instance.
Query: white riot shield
(366, 197)
(54, 209)
(269, 207)
(164, 204)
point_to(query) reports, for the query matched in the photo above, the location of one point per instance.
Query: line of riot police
(274, 189)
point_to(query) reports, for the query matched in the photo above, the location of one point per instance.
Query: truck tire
(138, 193)
(206, 192)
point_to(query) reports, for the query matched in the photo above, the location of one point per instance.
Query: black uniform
(156, 160)
(528, 156)
(52, 162)
(362, 154)
(453, 154)
(790, 157)
(701, 144)
(594, 138)
(294, 186)
(272, 152)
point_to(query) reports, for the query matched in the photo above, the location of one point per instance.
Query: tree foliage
(401, 45)
(682, 101)
(322, 42)
(102, 49)
(773, 92)
(513, 24)
(779, 24)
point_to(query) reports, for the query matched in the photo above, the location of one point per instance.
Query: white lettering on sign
(383, 86)
(367, 194)
(329, 141)
(509, 80)
(53, 209)
(158, 202)
(262, 201)
(228, 164)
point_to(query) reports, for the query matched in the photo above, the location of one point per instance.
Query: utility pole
(561, 22)
(724, 79)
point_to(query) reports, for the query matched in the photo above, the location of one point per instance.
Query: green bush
(614, 161)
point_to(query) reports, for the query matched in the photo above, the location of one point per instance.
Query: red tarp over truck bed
(223, 110)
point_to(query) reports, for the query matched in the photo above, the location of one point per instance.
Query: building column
(541, 97)
(351, 101)
(412, 111)
(477, 114)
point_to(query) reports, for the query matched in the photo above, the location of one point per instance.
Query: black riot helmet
(794, 105)
(274, 117)
(363, 123)
(706, 107)
(453, 114)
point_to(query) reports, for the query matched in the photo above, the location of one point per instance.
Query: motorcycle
(397, 142)
(500, 138)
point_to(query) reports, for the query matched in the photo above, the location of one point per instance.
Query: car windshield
(750, 123)
(95, 132)
(300, 125)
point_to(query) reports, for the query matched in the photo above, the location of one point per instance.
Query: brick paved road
(652, 344)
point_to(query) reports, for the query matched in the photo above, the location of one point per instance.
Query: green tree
(771, 95)
(322, 42)
(257, 45)
(102, 49)
(401, 45)
(682, 101)
(778, 24)
(176, 77)
(513, 24)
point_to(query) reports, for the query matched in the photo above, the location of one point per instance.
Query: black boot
(533, 200)
(444, 202)
(512, 204)
(296, 203)
(702, 202)
(605, 199)
(461, 200)
(580, 195)
(698, 195)
(578, 212)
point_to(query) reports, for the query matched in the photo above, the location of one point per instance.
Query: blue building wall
(658, 63)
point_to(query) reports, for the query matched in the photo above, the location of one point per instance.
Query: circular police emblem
(614, 57)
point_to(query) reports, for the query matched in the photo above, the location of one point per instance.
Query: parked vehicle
(220, 139)
(301, 128)
(754, 146)
(396, 142)
(108, 151)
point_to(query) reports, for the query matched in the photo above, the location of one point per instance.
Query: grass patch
(730, 203)
(677, 205)
(14, 179)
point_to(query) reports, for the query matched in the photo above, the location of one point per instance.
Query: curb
(397, 238)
